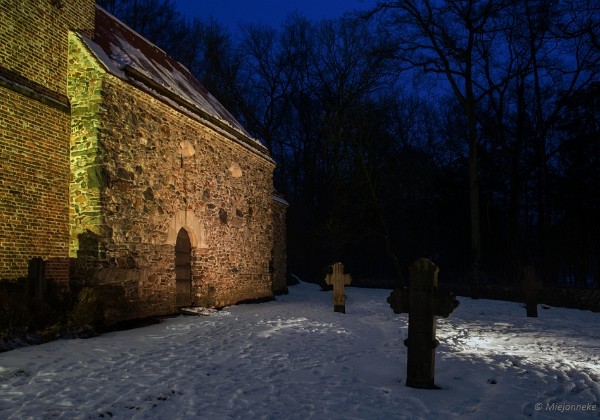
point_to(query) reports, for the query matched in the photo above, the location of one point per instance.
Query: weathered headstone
(423, 302)
(475, 277)
(338, 280)
(531, 288)
(36, 278)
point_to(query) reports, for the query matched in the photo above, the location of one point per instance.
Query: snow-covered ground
(294, 358)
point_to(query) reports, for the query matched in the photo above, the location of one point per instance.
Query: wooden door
(183, 268)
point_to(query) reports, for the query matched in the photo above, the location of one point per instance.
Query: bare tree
(444, 38)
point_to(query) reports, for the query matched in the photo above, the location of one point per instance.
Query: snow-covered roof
(131, 57)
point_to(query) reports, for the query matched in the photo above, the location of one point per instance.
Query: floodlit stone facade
(118, 165)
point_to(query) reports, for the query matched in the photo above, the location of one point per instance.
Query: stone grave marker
(338, 280)
(531, 289)
(423, 302)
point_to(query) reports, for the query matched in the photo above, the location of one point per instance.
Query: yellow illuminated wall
(34, 132)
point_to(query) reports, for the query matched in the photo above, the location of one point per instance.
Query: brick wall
(34, 175)
(33, 41)
(34, 132)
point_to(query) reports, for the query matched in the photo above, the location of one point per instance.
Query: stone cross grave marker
(338, 280)
(423, 302)
(531, 288)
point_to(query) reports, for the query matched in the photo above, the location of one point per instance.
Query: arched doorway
(183, 268)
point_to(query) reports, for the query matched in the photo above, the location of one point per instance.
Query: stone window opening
(187, 151)
(235, 170)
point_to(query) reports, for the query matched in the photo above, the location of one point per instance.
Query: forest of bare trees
(466, 131)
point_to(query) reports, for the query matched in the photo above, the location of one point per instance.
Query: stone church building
(120, 172)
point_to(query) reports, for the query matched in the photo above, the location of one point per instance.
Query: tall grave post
(338, 280)
(531, 288)
(423, 303)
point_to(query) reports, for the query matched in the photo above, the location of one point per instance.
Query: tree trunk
(473, 183)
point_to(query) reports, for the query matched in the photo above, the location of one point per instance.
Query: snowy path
(297, 359)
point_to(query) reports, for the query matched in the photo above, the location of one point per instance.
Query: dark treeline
(467, 131)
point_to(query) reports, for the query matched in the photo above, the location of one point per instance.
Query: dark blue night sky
(271, 12)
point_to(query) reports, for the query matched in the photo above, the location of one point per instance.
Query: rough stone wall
(279, 253)
(87, 154)
(152, 170)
